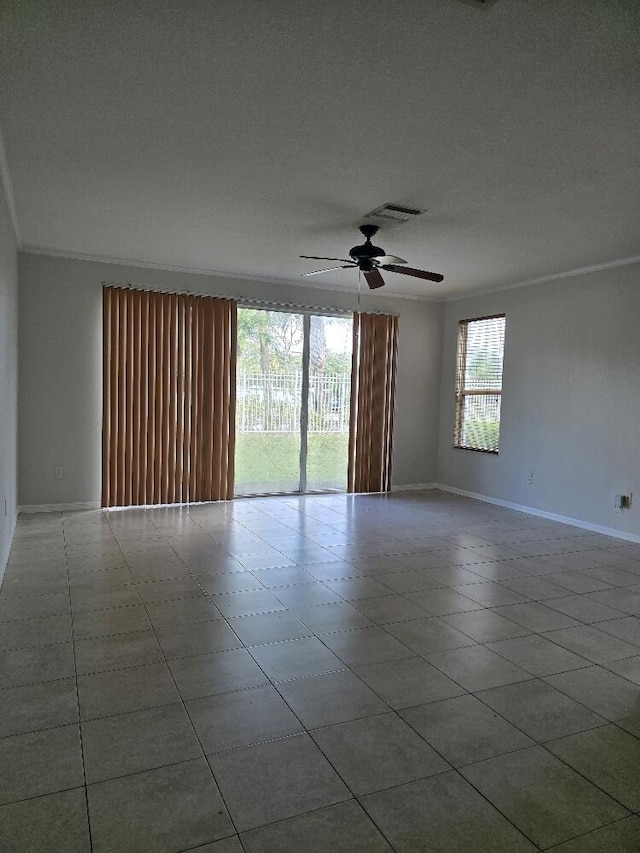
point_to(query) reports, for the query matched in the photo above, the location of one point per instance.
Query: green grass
(269, 462)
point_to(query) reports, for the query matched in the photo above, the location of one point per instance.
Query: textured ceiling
(234, 135)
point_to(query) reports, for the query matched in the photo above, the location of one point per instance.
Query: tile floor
(328, 673)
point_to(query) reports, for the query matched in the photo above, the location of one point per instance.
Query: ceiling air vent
(394, 212)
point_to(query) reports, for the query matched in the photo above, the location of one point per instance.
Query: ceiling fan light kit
(370, 259)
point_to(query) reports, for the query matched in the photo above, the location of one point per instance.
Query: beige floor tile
(441, 602)
(535, 589)
(477, 668)
(324, 618)
(385, 582)
(578, 581)
(322, 700)
(40, 763)
(56, 823)
(626, 628)
(593, 644)
(600, 690)
(101, 598)
(242, 718)
(432, 634)
(119, 651)
(218, 672)
(247, 603)
(442, 814)
(583, 608)
(365, 645)
(377, 753)
(464, 730)
(41, 631)
(295, 658)
(184, 611)
(277, 780)
(140, 740)
(344, 828)
(114, 620)
(389, 608)
(609, 758)
(358, 588)
(38, 706)
(303, 595)
(268, 628)
(107, 693)
(628, 668)
(32, 606)
(158, 811)
(545, 799)
(407, 682)
(197, 638)
(539, 710)
(35, 664)
(538, 655)
(619, 837)
(486, 626)
(536, 616)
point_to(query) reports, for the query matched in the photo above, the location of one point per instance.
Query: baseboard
(75, 507)
(550, 516)
(415, 487)
(409, 487)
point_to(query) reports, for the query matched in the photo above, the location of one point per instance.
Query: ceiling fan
(370, 259)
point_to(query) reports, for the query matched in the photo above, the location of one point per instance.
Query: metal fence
(271, 402)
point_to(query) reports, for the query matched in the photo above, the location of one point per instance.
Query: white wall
(61, 369)
(571, 398)
(570, 410)
(8, 382)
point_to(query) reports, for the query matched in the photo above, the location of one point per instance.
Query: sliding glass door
(293, 387)
(329, 401)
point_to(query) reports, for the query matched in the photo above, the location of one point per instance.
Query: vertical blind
(169, 397)
(373, 380)
(479, 383)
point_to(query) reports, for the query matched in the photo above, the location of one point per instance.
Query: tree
(269, 341)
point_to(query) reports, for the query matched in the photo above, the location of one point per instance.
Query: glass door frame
(304, 403)
(306, 313)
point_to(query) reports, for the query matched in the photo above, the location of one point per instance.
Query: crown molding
(607, 265)
(471, 294)
(99, 259)
(7, 187)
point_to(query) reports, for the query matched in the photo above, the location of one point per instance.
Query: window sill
(475, 449)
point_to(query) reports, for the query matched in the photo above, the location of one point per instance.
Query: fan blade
(389, 259)
(430, 276)
(374, 279)
(316, 258)
(317, 272)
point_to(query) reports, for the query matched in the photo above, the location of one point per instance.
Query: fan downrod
(369, 230)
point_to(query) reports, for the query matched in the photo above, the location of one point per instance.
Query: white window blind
(479, 383)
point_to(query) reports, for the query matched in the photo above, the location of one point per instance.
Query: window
(479, 383)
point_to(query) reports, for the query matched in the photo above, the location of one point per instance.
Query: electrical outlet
(530, 478)
(5, 507)
(415, 460)
(623, 501)
(57, 472)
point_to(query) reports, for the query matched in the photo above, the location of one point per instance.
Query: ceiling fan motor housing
(363, 255)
